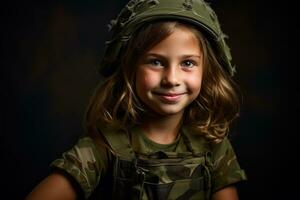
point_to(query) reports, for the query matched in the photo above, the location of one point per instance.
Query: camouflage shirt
(89, 162)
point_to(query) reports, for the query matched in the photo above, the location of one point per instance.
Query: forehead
(180, 41)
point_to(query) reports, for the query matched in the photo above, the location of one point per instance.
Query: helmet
(138, 12)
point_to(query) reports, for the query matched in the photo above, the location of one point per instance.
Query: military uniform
(131, 166)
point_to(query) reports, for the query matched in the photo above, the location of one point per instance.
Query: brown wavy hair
(115, 101)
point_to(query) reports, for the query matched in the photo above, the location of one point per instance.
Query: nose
(171, 76)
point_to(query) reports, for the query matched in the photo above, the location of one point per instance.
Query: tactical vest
(160, 175)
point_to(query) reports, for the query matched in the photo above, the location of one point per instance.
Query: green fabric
(85, 162)
(88, 163)
(139, 12)
(226, 169)
(146, 146)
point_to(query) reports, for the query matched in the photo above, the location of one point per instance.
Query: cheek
(146, 81)
(194, 82)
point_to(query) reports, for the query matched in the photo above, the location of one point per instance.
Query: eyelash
(191, 62)
(154, 62)
(185, 63)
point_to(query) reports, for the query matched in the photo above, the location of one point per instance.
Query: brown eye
(155, 62)
(188, 64)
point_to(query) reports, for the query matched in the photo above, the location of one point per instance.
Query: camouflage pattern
(226, 169)
(194, 171)
(86, 163)
(162, 177)
(138, 12)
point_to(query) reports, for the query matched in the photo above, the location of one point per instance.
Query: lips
(169, 97)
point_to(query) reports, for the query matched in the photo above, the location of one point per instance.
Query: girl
(157, 126)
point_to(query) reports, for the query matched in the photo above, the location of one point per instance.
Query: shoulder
(87, 150)
(222, 154)
(85, 153)
(117, 139)
(198, 140)
(221, 148)
(225, 166)
(86, 162)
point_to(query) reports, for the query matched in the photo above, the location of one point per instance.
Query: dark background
(50, 52)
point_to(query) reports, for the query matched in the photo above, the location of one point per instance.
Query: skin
(168, 79)
(53, 187)
(169, 75)
(228, 193)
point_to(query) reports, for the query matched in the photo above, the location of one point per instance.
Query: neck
(163, 129)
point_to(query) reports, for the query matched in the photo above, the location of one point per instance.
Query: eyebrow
(183, 56)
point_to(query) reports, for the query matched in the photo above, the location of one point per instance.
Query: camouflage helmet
(138, 12)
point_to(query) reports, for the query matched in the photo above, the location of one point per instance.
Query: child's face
(169, 75)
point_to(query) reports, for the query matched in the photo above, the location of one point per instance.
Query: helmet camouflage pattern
(138, 12)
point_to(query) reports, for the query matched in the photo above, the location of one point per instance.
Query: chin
(169, 112)
(166, 110)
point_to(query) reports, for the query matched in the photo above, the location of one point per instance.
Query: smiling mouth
(169, 97)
